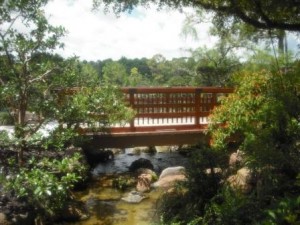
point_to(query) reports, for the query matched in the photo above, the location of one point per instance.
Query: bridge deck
(157, 138)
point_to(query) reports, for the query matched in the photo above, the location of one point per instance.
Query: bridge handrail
(177, 89)
(164, 106)
(167, 108)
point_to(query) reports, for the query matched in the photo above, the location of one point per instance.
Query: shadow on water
(104, 202)
(121, 162)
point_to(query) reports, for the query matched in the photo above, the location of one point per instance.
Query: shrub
(46, 184)
(263, 117)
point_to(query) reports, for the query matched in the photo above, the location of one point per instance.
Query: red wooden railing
(167, 109)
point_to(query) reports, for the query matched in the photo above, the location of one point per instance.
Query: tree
(160, 70)
(35, 81)
(114, 73)
(30, 72)
(98, 66)
(263, 116)
(26, 67)
(135, 78)
(181, 71)
(270, 14)
(140, 64)
(262, 119)
(234, 32)
(215, 66)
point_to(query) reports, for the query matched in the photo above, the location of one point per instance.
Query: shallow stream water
(104, 202)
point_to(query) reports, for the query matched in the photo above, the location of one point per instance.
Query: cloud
(98, 36)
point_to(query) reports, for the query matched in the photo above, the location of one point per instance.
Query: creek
(104, 202)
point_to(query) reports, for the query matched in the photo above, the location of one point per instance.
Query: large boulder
(170, 171)
(170, 176)
(242, 180)
(141, 163)
(144, 179)
(144, 183)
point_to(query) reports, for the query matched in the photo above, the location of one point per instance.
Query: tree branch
(267, 22)
(42, 76)
(35, 129)
(11, 24)
(233, 9)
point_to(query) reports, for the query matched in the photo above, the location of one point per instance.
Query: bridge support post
(197, 106)
(132, 92)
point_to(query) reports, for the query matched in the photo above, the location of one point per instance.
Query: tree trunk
(20, 128)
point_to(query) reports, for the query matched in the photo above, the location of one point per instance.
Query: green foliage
(31, 82)
(99, 106)
(123, 182)
(6, 118)
(115, 73)
(215, 66)
(265, 60)
(175, 72)
(173, 207)
(263, 109)
(273, 14)
(188, 201)
(156, 71)
(231, 207)
(73, 73)
(46, 183)
(4, 139)
(285, 211)
(135, 78)
(262, 117)
(26, 41)
(58, 139)
(204, 181)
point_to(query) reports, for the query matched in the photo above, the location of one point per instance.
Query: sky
(144, 33)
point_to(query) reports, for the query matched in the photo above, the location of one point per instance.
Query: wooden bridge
(164, 116)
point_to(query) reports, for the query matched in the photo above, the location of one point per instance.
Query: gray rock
(170, 176)
(242, 180)
(134, 197)
(177, 170)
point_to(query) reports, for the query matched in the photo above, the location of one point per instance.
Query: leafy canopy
(265, 14)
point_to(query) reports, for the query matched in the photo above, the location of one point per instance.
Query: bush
(231, 207)
(188, 200)
(46, 184)
(285, 211)
(264, 113)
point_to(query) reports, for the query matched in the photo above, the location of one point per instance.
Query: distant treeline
(158, 71)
